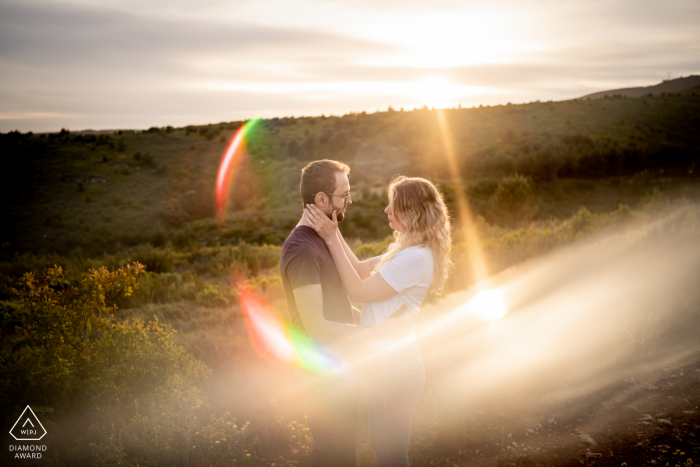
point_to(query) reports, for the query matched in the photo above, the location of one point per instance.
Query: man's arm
(309, 301)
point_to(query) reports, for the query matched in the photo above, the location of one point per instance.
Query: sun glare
(488, 304)
(459, 36)
(435, 92)
(432, 91)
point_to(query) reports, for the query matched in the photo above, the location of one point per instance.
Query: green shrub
(163, 288)
(74, 266)
(270, 288)
(623, 213)
(513, 200)
(173, 213)
(68, 354)
(149, 160)
(238, 260)
(372, 249)
(154, 259)
(582, 221)
(217, 295)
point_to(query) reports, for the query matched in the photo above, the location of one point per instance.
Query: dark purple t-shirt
(306, 260)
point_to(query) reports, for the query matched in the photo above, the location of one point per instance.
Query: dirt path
(650, 422)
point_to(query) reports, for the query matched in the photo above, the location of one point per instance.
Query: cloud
(53, 36)
(31, 115)
(91, 63)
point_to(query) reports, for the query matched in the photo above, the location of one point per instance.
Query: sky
(95, 64)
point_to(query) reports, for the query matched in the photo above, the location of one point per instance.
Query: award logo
(28, 427)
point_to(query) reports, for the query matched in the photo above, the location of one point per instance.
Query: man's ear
(320, 200)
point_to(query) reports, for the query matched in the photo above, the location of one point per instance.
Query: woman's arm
(364, 268)
(373, 289)
(309, 301)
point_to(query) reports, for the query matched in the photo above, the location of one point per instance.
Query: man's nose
(348, 200)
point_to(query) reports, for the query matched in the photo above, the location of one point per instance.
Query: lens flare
(488, 304)
(229, 161)
(471, 237)
(591, 318)
(276, 339)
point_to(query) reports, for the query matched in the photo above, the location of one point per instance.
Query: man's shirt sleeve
(303, 266)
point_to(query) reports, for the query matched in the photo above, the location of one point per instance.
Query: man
(319, 304)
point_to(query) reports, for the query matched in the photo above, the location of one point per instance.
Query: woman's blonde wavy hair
(420, 207)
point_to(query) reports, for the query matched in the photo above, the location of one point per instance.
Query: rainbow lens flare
(276, 339)
(229, 161)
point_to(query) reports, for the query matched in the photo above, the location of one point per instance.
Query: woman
(416, 262)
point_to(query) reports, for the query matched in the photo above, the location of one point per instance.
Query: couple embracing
(321, 276)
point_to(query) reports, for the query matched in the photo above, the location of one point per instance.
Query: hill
(595, 362)
(688, 84)
(102, 192)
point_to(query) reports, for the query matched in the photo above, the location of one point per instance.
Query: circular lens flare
(276, 339)
(229, 161)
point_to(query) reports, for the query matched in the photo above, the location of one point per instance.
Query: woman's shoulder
(414, 254)
(417, 251)
(409, 267)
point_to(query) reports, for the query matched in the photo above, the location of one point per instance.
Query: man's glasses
(344, 196)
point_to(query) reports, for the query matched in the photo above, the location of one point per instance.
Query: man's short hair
(319, 176)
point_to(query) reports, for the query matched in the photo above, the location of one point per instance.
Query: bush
(163, 288)
(173, 213)
(149, 160)
(68, 355)
(242, 260)
(582, 221)
(513, 200)
(372, 249)
(155, 259)
(217, 295)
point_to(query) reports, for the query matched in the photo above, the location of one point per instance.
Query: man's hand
(394, 327)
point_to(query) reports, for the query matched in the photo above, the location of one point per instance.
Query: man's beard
(339, 214)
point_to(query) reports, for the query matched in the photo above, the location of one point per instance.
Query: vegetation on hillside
(119, 314)
(102, 192)
(127, 385)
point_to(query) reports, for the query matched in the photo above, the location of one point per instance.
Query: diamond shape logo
(28, 427)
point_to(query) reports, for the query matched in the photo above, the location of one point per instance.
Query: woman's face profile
(394, 221)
